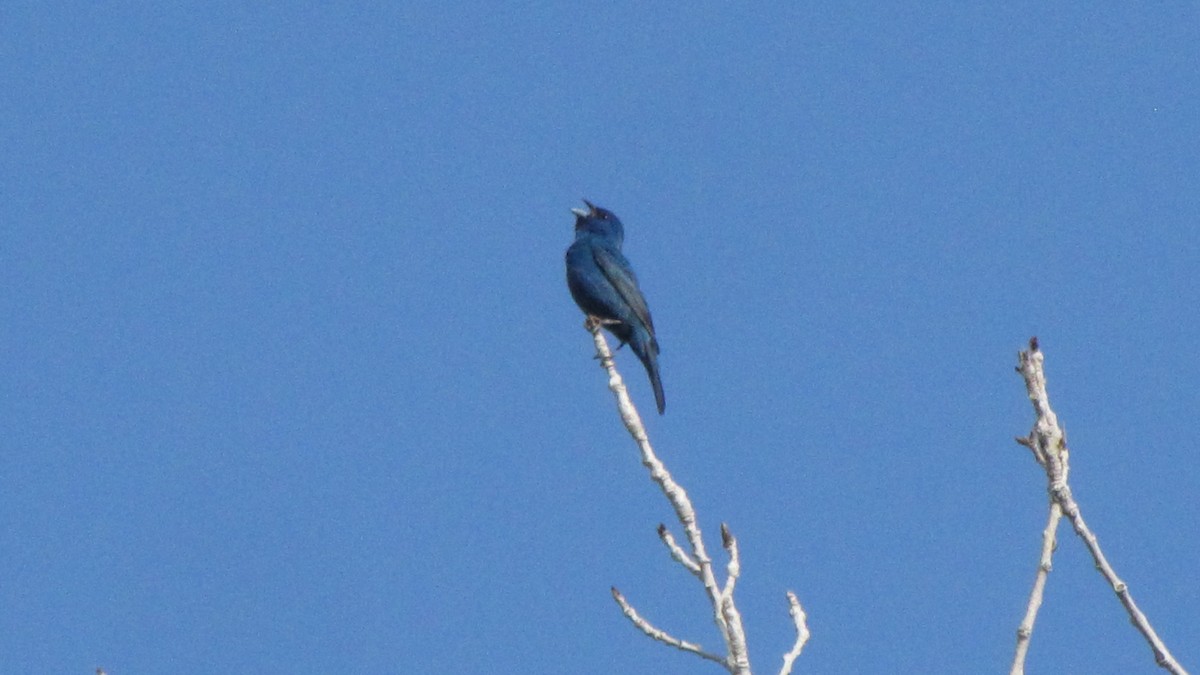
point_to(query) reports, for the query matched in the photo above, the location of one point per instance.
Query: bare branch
(1025, 631)
(733, 617)
(725, 615)
(1162, 656)
(801, 620)
(734, 569)
(1049, 445)
(661, 635)
(677, 553)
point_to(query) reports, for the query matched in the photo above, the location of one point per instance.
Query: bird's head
(598, 221)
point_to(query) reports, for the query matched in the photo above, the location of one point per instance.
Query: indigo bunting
(605, 287)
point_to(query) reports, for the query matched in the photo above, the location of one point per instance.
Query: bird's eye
(602, 214)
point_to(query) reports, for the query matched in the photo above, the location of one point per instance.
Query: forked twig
(697, 562)
(1048, 443)
(737, 661)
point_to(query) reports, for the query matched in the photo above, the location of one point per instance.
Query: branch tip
(800, 619)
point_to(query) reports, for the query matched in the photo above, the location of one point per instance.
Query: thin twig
(1049, 445)
(1162, 656)
(677, 553)
(801, 620)
(1025, 631)
(734, 568)
(733, 618)
(659, 634)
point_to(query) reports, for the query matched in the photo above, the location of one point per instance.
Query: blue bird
(605, 287)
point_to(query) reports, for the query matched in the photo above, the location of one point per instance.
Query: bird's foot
(593, 322)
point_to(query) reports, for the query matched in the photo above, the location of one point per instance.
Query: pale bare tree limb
(677, 553)
(733, 618)
(801, 620)
(725, 615)
(659, 634)
(1025, 631)
(734, 569)
(1048, 443)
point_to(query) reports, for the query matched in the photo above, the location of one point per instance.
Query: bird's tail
(646, 348)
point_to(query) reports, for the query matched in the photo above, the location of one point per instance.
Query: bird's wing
(616, 268)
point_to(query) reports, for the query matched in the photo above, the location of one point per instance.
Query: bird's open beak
(584, 214)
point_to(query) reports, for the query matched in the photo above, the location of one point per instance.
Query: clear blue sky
(293, 383)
